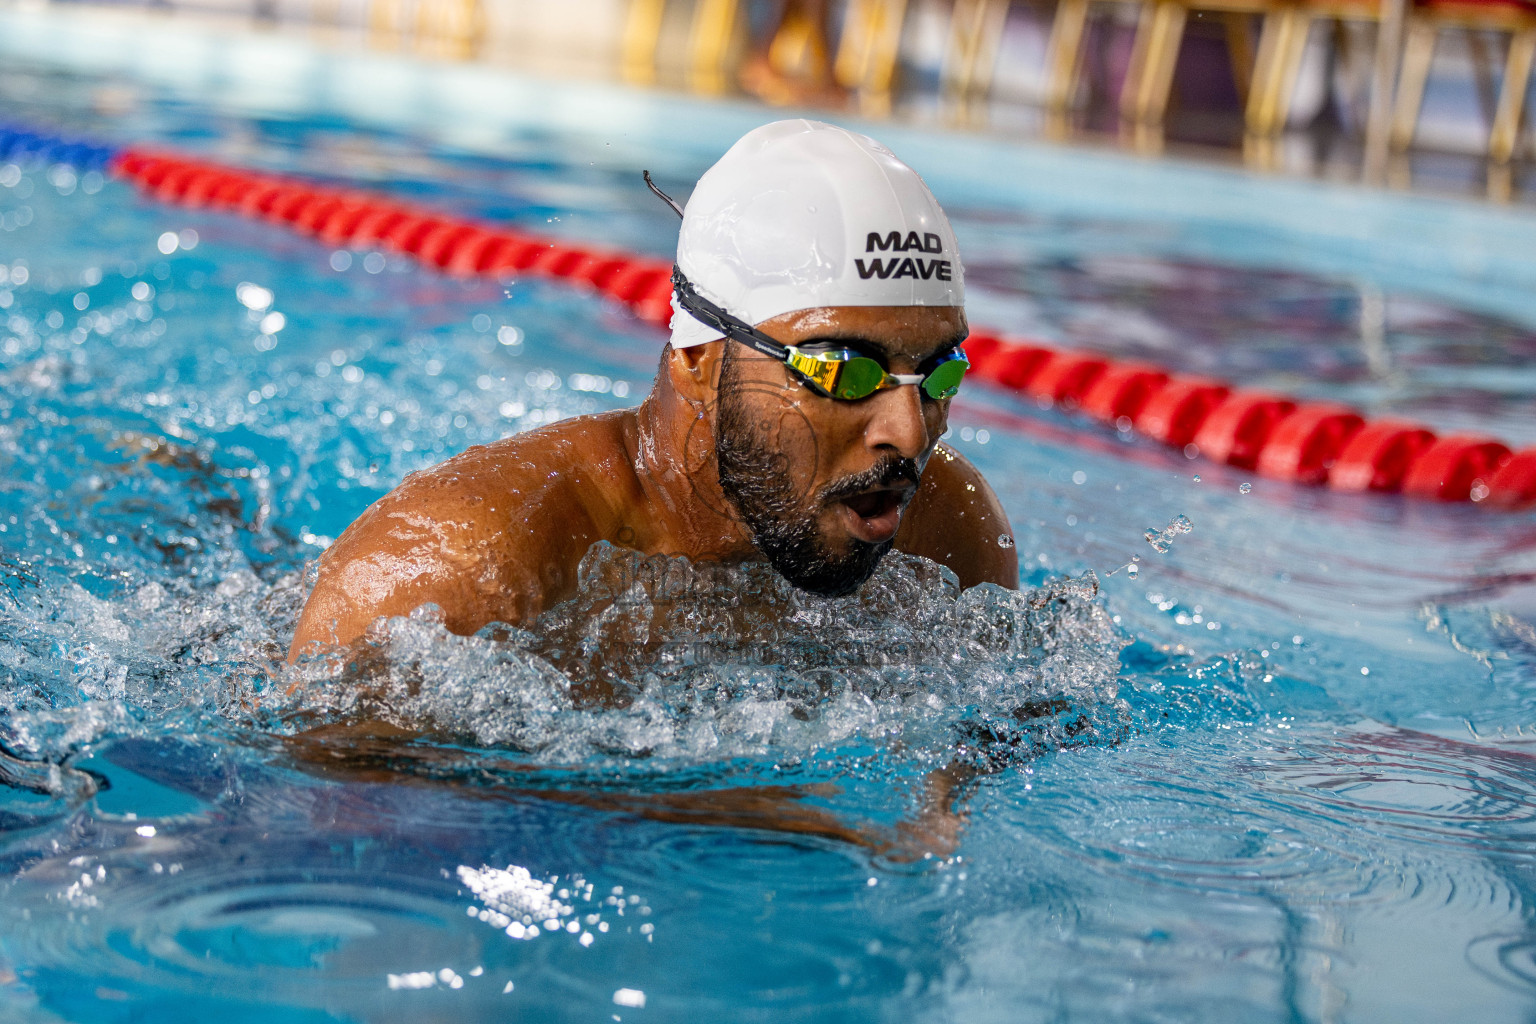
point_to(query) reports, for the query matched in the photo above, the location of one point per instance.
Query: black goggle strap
(711, 315)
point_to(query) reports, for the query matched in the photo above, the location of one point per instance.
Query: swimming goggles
(841, 373)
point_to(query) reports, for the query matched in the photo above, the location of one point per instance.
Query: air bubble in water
(1244, 488)
(1162, 540)
(1132, 570)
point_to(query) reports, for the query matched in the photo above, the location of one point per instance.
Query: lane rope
(1272, 435)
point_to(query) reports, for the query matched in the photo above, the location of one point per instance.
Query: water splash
(1131, 568)
(1162, 540)
(667, 660)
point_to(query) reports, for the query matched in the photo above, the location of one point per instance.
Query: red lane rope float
(1238, 429)
(1312, 443)
(1379, 455)
(1305, 445)
(345, 217)
(1514, 484)
(1452, 466)
(1175, 412)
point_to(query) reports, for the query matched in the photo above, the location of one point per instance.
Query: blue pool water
(1282, 772)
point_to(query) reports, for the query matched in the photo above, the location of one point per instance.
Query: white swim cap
(800, 214)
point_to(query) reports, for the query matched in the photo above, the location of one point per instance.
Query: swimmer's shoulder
(547, 475)
(541, 497)
(956, 519)
(494, 533)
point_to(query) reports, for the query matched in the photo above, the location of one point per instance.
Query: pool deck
(1468, 251)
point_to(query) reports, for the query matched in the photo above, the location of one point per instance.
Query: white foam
(665, 659)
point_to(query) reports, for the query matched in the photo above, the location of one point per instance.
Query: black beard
(755, 479)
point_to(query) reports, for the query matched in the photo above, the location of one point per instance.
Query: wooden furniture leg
(714, 21)
(1418, 54)
(1064, 52)
(869, 50)
(1517, 77)
(1149, 80)
(642, 34)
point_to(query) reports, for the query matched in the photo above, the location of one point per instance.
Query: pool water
(1281, 771)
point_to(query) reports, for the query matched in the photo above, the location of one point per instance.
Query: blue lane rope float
(1304, 442)
(23, 147)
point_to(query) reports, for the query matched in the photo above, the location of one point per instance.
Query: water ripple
(158, 925)
(1509, 960)
(285, 921)
(1176, 833)
(1411, 785)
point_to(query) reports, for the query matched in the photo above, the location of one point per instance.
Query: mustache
(888, 472)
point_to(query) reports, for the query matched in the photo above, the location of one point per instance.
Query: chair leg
(1168, 53)
(1385, 71)
(1501, 182)
(642, 33)
(798, 49)
(970, 57)
(1263, 115)
(1064, 52)
(960, 50)
(852, 61)
(1418, 53)
(1238, 29)
(885, 51)
(1288, 69)
(1147, 22)
(1517, 78)
(460, 29)
(709, 39)
(990, 23)
(1149, 79)
(868, 51)
(386, 23)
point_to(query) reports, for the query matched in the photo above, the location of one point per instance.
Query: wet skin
(495, 534)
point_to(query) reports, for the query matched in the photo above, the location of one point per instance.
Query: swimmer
(817, 339)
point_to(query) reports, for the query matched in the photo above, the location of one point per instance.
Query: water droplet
(1132, 570)
(1244, 487)
(1197, 478)
(1004, 541)
(1162, 540)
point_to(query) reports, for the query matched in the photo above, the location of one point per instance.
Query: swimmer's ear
(695, 370)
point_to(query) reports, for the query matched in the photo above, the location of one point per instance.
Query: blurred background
(1423, 94)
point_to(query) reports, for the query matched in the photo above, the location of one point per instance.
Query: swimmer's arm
(444, 537)
(372, 751)
(957, 521)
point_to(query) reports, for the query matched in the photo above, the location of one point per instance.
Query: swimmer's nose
(897, 422)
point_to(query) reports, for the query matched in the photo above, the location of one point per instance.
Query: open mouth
(874, 515)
